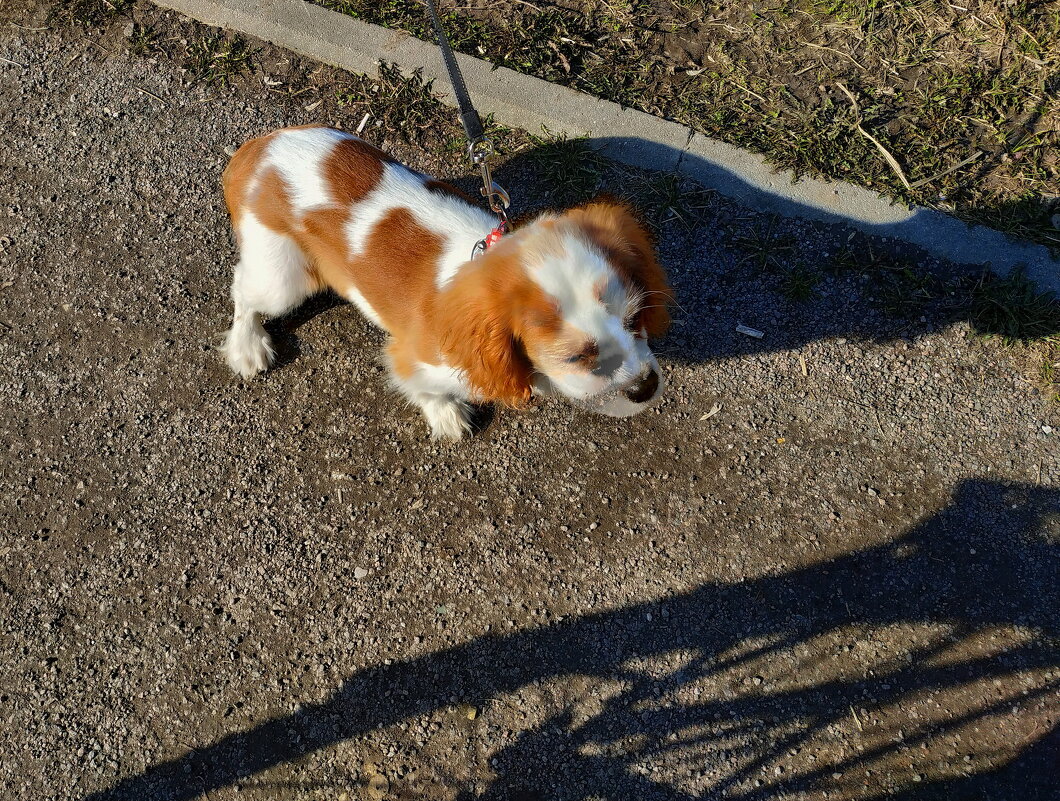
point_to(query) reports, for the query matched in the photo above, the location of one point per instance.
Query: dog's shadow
(284, 330)
(288, 346)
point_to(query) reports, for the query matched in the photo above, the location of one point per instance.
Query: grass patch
(800, 283)
(1014, 309)
(216, 59)
(145, 40)
(406, 106)
(90, 12)
(967, 100)
(764, 248)
(574, 169)
(667, 197)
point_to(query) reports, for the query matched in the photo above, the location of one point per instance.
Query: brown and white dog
(564, 304)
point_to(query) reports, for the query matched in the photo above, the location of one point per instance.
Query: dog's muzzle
(644, 388)
(641, 394)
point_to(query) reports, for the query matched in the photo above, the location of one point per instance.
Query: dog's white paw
(248, 350)
(448, 418)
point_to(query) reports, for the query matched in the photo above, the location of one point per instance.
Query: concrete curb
(623, 134)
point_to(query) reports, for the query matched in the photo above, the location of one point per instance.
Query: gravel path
(825, 567)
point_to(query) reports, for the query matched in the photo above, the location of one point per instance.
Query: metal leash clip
(480, 150)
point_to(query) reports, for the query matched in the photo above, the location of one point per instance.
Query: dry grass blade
(944, 173)
(847, 56)
(891, 160)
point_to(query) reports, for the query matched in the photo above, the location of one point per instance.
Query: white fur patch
(271, 276)
(437, 378)
(441, 394)
(299, 157)
(361, 302)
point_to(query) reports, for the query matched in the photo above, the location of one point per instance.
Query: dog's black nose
(643, 389)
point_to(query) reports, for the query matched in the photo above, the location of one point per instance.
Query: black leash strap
(468, 115)
(479, 147)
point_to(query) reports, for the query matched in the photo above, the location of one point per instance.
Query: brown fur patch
(353, 169)
(236, 177)
(394, 271)
(322, 238)
(492, 315)
(271, 203)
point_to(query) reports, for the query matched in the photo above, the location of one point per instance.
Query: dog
(562, 305)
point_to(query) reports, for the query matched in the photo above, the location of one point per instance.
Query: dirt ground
(824, 568)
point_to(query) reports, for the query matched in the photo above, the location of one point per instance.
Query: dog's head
(565, 304)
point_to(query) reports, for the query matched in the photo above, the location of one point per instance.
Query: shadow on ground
(976, 584)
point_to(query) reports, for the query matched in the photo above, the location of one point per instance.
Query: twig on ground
(856, 719)
(149, 94)
(25, 28)
(14, 63)
(714, 409)
(748, 91)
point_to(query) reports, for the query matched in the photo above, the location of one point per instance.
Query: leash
(479, 148)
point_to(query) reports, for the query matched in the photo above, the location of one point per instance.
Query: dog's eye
(586, 356)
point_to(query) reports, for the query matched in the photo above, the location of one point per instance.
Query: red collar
(495, 235)
(492, 238)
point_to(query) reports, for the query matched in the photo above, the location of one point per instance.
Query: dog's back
(368, 227)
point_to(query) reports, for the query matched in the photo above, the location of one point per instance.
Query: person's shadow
(770, 672)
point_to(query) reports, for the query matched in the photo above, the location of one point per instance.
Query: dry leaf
(467, 711)
(713, 411)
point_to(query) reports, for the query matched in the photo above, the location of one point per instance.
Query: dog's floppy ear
(616, 229)
(478, 320)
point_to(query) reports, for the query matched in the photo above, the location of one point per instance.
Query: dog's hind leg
(271, 278)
